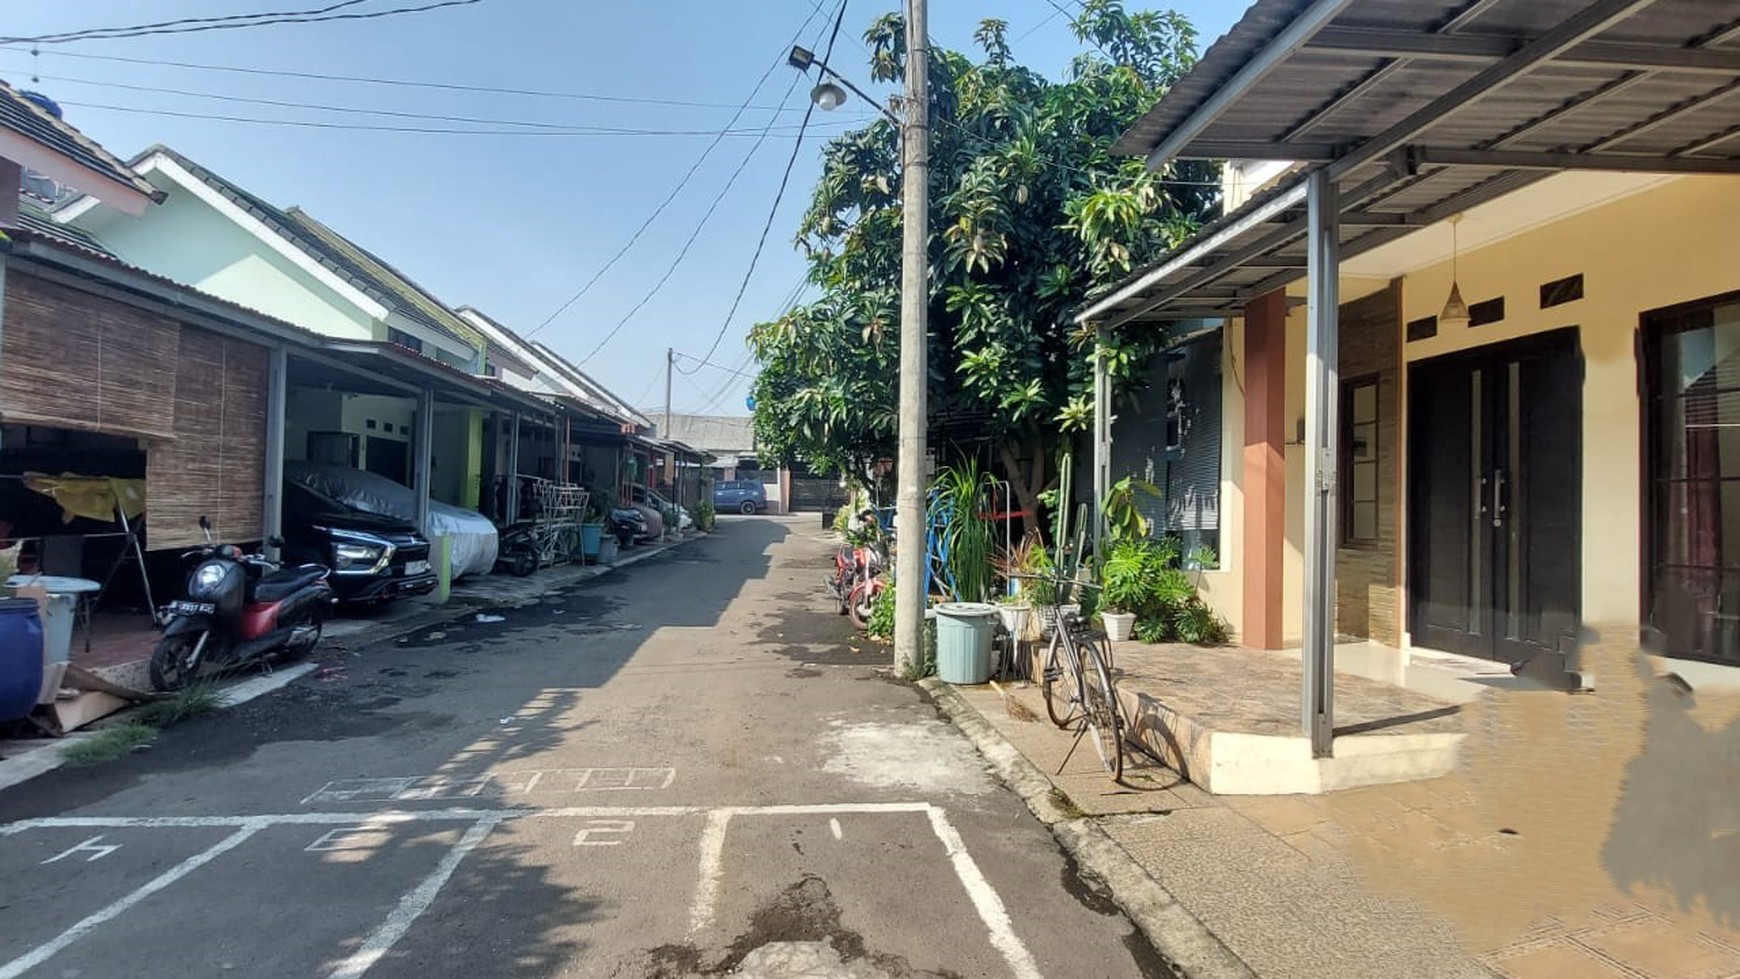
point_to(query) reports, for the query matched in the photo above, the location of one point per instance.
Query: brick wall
(1366, 574)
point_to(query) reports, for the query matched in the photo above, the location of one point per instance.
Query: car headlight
(348, 555)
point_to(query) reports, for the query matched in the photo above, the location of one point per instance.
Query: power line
(233, 22)
(410, 83)
(444, 130)
(699, 363)
(778, 196)
(343, 109)
(678, 189)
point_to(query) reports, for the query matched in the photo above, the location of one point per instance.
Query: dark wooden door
(1495, 499)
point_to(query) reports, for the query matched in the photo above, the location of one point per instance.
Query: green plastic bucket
(963, 641)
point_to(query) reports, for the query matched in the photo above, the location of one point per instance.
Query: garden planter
(1015, 618)
(1118, 625)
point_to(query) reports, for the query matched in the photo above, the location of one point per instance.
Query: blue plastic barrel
(20, 657)
(591, 536)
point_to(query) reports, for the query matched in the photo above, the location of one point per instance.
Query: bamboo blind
(74, 360)
(215, 464)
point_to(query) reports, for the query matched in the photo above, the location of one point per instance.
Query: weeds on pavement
(109, 744)
(183, 705)
(143, 726)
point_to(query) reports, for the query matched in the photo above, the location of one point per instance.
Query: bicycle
(1076, 683)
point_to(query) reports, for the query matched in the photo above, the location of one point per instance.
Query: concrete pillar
(272, 499)
(1265, 468)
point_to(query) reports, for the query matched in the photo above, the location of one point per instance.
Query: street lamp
(909, 511)
(826, 95)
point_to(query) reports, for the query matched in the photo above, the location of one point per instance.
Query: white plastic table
(56, 584)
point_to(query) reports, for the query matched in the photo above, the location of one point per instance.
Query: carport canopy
(1396, 115)
(1417, 110)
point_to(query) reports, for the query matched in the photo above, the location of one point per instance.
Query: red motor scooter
(240, 608)
(858, 568)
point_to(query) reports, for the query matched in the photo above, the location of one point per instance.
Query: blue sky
(515, 221)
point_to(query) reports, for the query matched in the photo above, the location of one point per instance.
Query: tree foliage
(1030, 211)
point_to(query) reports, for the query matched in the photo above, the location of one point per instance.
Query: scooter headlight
(208, 576)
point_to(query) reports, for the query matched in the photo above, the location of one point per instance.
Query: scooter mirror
(275, 541)
(204, 522)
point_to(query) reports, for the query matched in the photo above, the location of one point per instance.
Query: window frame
(1345, 461)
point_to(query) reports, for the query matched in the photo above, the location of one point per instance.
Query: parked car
(739, 496)
(664, 505)
(373, 558)
(471, 536)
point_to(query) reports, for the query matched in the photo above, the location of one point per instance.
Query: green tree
(1030, 211)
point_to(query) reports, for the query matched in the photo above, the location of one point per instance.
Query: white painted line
(19, 766)
(259, 686)
(392, 816)
(834, 826)
(24, 964)
(985, 899)
(412, 905)
(712, 870)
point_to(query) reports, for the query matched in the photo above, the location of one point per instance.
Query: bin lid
(966, 609)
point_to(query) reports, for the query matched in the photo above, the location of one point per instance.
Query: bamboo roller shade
(215, 465)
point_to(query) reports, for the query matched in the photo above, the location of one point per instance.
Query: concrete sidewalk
(1588, 835)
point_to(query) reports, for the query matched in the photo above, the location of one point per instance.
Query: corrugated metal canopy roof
(1421, 109)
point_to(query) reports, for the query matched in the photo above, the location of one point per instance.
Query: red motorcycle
(857, 579)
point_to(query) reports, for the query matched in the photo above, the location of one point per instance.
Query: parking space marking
(413, 904)
(42, 953)
(349, 830)
(90, 846)
(418, 788)
(985, 899)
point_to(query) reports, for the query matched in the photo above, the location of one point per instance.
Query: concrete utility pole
(670, 359)
(909, 513)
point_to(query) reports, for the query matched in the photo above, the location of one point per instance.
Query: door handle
(1498, 498)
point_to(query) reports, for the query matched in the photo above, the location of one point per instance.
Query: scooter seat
(279, 585)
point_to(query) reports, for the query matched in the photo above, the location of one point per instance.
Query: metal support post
(1322, 397)
(424, 430)
(909, 515)
(513, 472)
(1102, 440)
(272, 495)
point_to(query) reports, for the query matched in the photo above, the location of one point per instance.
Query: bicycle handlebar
(1056, 580)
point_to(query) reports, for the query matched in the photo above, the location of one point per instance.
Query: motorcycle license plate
(416, 568)
(191, 608)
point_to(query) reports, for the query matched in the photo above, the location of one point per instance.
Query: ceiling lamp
(1455, 313)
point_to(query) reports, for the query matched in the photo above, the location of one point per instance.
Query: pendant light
(1455, 313)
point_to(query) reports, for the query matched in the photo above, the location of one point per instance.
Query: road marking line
(390, 816)
(834, 825)
(413, 904)
(94, 846)
(42, 953)
(712, 870)
(985, 899)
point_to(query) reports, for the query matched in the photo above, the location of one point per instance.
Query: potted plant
(1127, 580)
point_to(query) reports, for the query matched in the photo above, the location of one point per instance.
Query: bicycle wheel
(1061, 681)
(1104, 719)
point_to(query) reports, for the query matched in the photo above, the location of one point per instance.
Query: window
(1359, 461)
(404, 339)
(1692, 422)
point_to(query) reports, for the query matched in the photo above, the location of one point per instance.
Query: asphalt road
(691, 767)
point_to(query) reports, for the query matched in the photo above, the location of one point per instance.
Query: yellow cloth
(92, 497)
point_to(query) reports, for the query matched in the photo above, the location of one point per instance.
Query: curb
(1176, 934)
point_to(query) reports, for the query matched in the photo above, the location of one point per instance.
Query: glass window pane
(1365, 521)
(1364, 447)
(1365, 402)
(1365, 482)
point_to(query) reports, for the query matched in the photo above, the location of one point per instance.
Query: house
(1502, 478)
(596, 431)
(398, 388)
(730, 440)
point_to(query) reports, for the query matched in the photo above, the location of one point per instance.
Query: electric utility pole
(909, 512)
(670, 359)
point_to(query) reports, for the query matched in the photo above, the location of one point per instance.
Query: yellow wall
(1223, 588)
(1675, 242)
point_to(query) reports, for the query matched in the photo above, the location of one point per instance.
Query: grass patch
(109, 744)
(1065, 804)
(183, 705)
